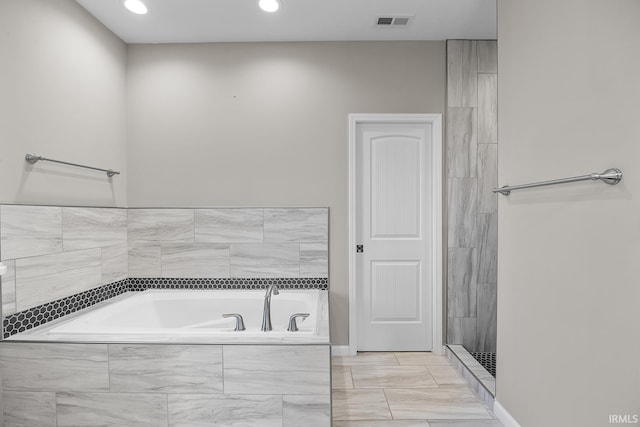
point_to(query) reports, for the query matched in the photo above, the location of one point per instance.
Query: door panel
(395, 181)
(395, 291)
(393, 223)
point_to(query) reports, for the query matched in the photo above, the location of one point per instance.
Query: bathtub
(192, 316)
(169, 353)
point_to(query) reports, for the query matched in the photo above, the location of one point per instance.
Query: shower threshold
(476, 375)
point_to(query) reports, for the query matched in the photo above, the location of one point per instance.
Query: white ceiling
(187, 21)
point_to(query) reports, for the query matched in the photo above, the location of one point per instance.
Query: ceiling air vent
(393, 21)
(385, 20)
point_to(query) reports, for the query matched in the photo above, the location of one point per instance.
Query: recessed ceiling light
(136, 6)
(269, 5)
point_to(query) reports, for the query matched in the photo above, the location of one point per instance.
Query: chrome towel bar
(33, 158)
(610, 176)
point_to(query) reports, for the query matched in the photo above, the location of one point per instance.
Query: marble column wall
(471, 167)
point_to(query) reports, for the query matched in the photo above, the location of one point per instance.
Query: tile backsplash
(53, 252)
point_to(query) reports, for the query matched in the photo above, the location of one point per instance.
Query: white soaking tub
(178, 315)
(168, 354)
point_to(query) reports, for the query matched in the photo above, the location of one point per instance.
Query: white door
(393, 225)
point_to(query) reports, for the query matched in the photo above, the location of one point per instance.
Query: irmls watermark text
(623, 419)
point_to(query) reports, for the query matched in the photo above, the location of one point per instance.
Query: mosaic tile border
(39, 315)
(240, 283)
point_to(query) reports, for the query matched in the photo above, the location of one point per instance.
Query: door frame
(435, 120)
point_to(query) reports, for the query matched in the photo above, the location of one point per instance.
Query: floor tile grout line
(388, 406)
(353, 383)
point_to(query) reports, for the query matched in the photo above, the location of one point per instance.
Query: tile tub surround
(471, 169)
(55, 251)
(48, 312)
(228, 242)
(120, 250)
(160, 384)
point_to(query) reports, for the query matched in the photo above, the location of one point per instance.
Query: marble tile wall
(174, 385)
(165, 368)
(228, 242)
(462, 70)
(472, 156)
(53, 252)
(49, 277)
(259, 369)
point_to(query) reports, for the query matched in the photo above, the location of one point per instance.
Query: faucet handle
(239, 321)
(293, 326)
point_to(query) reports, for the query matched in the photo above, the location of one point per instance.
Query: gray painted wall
(265, 124)
(62, 81)
(472, 155)
(568, 336)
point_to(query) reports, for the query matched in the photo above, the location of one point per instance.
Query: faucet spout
(266, 312)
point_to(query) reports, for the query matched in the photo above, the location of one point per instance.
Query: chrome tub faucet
(266, 312)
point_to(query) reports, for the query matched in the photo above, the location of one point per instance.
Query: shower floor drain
(487, 360)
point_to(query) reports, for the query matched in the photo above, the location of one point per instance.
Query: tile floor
(403, 390)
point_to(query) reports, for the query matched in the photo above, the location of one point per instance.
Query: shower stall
(472, 207)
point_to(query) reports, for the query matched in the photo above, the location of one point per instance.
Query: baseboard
(345, 350)
(340, 350)
(504, 416)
